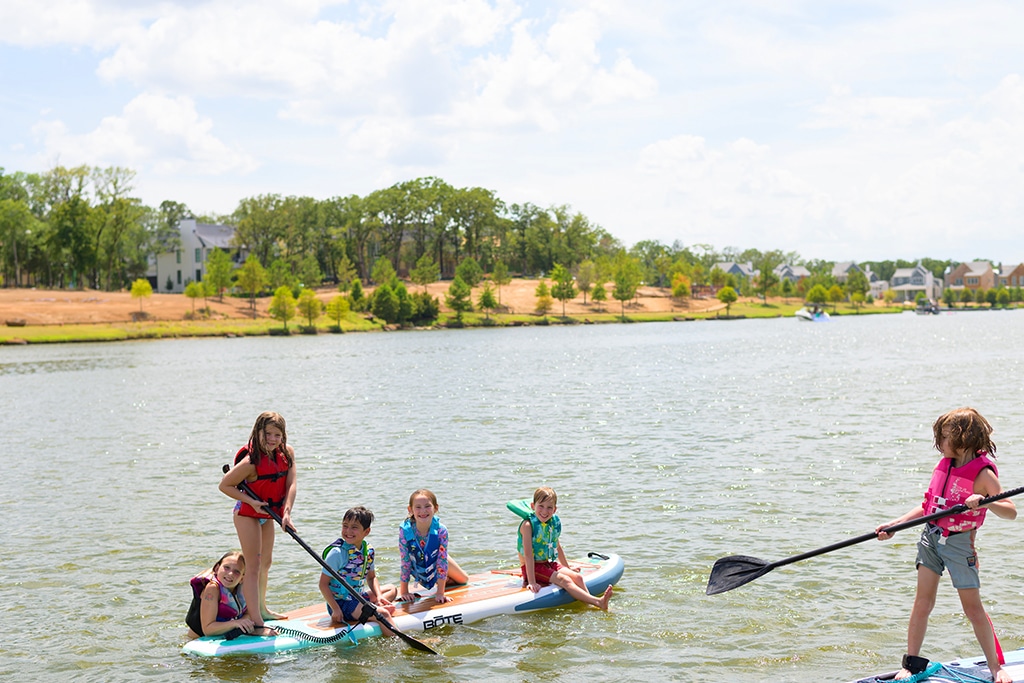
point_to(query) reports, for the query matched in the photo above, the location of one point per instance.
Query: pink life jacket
(231, 605)
(950, 486)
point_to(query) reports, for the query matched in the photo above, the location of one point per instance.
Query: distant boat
(927, 308)
(814, 315)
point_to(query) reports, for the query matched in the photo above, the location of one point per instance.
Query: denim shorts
(348, 606)
(954, 552)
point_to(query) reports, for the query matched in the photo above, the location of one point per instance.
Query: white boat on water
(812, 315)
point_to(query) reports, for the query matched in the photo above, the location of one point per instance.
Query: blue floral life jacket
(423, 558)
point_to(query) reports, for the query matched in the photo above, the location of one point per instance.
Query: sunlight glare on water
(671, 444)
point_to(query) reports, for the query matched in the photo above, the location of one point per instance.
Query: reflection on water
(671, 444)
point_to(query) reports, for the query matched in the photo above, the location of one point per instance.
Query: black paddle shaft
(381, 616)
(736, 570)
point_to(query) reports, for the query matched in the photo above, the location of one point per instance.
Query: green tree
(309, 306)
(309, 272)
(818, 295)
(857, 281)
(727, 295)
(966, 296)
(487, 301)
(218, 272)
(949, 297)
(346, 274)
(356, 295)
(599, 295)
(889, 296)
(627, 281)
(282, 306)
(787, 288)
(563, 287)
(425, 272)
(500, 277)
(280, 275)
(382, 271)
(470, 271)
(384, 303)
(193, 290)
(252, 278)
(405, 304)
(337, 310)
(857, 299)
(141, 289)
(1003, 297)
(835, 295)
(458, 297)
(680, 286)
(586, 274)
(980, 295)
(544, 301)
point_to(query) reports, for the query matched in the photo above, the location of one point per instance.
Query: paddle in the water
(736, 570)
(381, 615)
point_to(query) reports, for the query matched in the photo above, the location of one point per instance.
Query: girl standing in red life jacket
(965, 474)
(267, 464)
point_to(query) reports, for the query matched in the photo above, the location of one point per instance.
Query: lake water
(672, 444)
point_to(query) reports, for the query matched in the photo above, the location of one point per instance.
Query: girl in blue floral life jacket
(965, 474)
(217, 602)
(423, 547)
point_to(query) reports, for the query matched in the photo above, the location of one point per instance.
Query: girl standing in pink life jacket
(267, 464)
(217, 602)
(965, 475)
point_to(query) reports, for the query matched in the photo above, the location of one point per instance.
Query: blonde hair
(544, 493)
(967, 431)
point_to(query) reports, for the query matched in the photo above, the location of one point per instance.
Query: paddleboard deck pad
(970, 669)
(484, 595)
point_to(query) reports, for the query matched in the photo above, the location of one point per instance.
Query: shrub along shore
(358, 322)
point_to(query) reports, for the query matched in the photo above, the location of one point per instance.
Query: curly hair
(967, 431)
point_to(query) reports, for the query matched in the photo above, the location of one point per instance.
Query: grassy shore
(355, 322)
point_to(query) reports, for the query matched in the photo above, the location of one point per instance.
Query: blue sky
(837, 130)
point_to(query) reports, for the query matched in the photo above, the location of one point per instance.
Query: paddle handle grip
(381, 616)
(955, 510)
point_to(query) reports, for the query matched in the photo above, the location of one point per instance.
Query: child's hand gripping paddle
(382, 616)
(736, 570)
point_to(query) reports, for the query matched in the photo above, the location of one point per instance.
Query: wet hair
(967, 431)
(257, 443)
(359, 514)
(545, 493)
(423, 492)
(233, 553)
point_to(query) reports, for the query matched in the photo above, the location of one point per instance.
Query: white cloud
(161, 134)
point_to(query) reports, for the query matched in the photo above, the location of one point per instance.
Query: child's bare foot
(603, 602)
(273, 615)
(903, 673)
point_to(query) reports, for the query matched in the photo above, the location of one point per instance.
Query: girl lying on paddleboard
(218, 605)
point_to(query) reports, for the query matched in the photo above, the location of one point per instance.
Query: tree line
(82, 227)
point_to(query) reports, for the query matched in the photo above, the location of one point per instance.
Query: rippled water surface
(671, 444)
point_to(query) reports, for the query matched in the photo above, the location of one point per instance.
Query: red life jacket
(271, 482)
(950, 486)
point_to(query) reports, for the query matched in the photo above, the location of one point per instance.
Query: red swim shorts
(543, 571)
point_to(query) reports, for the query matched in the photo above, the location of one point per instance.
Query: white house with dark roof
(909, 282)
(172, 271)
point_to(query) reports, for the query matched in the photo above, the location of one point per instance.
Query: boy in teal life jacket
(545, 562)
(352, 557)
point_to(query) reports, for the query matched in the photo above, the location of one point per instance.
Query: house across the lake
(171, 271)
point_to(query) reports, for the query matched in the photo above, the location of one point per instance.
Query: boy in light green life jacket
(545, 562)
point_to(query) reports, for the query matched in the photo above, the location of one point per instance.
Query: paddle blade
(734, 571)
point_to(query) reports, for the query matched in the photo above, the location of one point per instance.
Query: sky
(869, 130)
